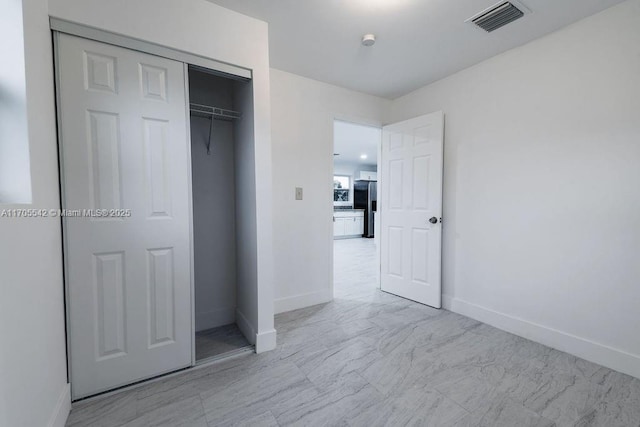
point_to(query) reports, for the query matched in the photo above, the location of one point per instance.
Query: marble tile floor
(373, 359)
(217, 341)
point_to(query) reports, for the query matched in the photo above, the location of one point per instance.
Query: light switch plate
(298, 193)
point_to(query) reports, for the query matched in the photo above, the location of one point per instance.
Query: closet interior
(215, 112)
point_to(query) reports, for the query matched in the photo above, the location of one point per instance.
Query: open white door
(411, 208)
(124, 150)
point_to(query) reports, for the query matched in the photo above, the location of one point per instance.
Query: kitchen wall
(33, 365)
(303, 111)
(352, 170)
(541, 201)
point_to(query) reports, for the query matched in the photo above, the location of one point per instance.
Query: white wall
(15, 179)
(302, 127)
(541, 200)
(246, 254)
(33, 367)
(205, 29)
(214, 205)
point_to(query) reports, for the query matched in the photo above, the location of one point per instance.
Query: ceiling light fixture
(363, 156)
(368, 40)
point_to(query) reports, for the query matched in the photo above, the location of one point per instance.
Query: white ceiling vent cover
(499, 15)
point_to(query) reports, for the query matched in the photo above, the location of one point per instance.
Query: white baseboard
(604, 355)
(215, 318)
(282, 305)
(266, 341)
(245, 327)
(62, 409)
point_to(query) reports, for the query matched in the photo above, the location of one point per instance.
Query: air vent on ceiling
(498, 15)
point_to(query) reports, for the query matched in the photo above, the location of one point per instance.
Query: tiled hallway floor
(373, 359)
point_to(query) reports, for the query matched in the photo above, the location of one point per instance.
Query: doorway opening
(356, 261)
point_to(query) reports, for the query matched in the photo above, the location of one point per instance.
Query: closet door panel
(125, 161)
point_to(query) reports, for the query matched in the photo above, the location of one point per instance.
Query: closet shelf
(215, 112)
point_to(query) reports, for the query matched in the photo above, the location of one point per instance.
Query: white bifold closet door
(124, 148)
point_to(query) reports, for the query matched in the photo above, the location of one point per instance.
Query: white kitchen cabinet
(348, 223)
(350, 226)
(359, 225)
(369, 176)
(338, 226)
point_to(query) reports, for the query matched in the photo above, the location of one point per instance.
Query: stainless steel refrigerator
(365, 197)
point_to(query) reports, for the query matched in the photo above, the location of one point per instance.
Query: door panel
(395, 252)
(104, 165)
(158, 194)
(410, 195)
(124, 146)
(110, 304)
(161, 301)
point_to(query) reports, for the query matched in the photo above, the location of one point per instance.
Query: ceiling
(352, 141)
(418, 41)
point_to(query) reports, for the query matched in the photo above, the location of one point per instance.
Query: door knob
(433, 220)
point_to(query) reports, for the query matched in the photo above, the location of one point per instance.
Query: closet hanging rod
(215, 112)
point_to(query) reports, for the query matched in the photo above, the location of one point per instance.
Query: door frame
(378, 124)
(192, 276)
(333, 117)
(87, 32)
(60, 26)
